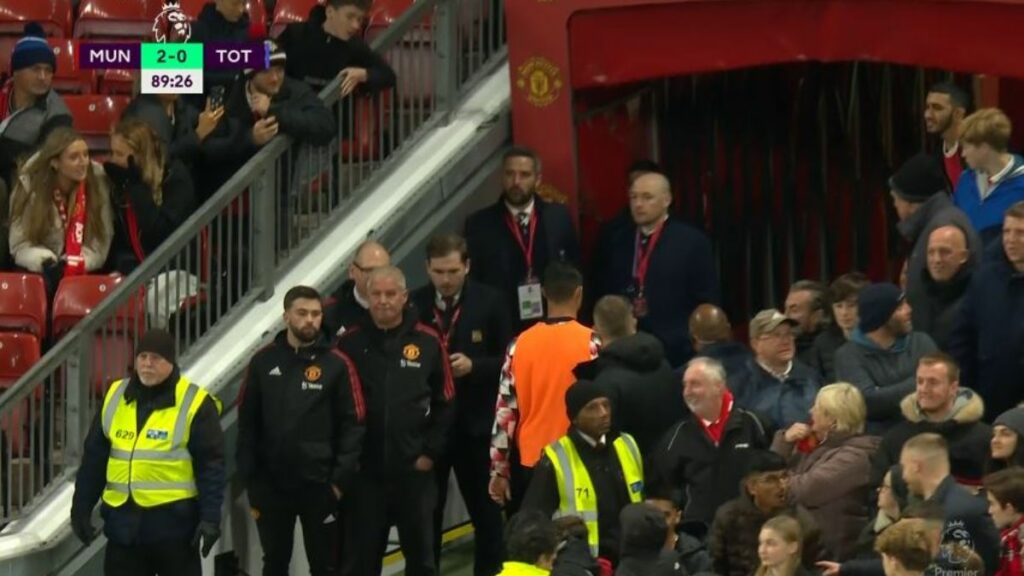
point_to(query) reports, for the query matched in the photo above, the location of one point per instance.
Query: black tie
(449, 312)
(645, 241)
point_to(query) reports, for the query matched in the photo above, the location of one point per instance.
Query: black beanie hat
(158, 342)
(919, 179)
(580, 394)
(876, 304)
(32, 49)
(1012, 419)
(762, 461)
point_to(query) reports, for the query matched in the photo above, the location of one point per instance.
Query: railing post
(265, 203)
(446, 57)
(78, 380)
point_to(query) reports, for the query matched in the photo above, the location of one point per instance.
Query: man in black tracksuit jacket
(473, 320)
(404, 367)
(300, 431)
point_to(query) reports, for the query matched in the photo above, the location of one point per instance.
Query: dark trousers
(519, 482)
(376, 503)
(470, 457)
(317, 510)
(173, 558)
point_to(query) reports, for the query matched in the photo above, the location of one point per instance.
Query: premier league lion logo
(171, 24)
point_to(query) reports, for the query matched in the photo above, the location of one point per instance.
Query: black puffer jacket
(646, 396)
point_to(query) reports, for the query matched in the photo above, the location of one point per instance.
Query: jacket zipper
(131, 457)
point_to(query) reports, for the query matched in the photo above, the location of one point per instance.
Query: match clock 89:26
(172, 81)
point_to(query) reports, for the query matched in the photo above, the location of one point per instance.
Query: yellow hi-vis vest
(576, 494)
(152, 465)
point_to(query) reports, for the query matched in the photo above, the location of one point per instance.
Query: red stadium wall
(559, 46)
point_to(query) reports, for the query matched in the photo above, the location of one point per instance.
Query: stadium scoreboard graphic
(173, 68)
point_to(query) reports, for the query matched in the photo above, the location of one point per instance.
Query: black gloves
(81, 525)
(209, 533)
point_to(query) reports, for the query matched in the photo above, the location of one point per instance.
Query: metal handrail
(288, 188)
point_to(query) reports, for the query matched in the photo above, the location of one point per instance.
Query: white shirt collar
(439, 300)
(950, 152)
(516, 211)
(783, 376)
(593, 443)
(998, 176)
(359, 299)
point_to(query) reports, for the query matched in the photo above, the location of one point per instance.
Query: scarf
(134, 238)
(1009, 557)
(74, 225)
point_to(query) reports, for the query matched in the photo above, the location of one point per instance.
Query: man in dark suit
(474, 323)
(666, 268)
(512, 241)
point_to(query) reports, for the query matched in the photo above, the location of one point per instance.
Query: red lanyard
(642, 258)
(450, 329)
(527, 248)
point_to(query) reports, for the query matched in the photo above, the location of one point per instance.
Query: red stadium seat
(113, 357)
(68, 78)
(116, 82)
(289, 11)
(23, 303)
(94, 116)
(358, 146)
(53, 15)
(257, 12)
(77, 296)
(116, 18)
(18, 352)
(6, 47)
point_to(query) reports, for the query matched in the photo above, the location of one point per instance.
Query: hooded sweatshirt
(967, 436)
(646, 397)
(986, 214)
(643, 552)
(884, 376)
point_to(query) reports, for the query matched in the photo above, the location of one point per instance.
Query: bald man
(350, 303)
(711, 335)
(664, 267)
(945, 278)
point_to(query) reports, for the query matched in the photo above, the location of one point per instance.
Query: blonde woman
(151, 194)
(830, 466)
(779, 546)
(60, 210)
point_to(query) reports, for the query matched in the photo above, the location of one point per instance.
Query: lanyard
(450, 329)
(525, 246)
(642, 258)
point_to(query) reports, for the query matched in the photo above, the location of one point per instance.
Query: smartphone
(216, 97)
